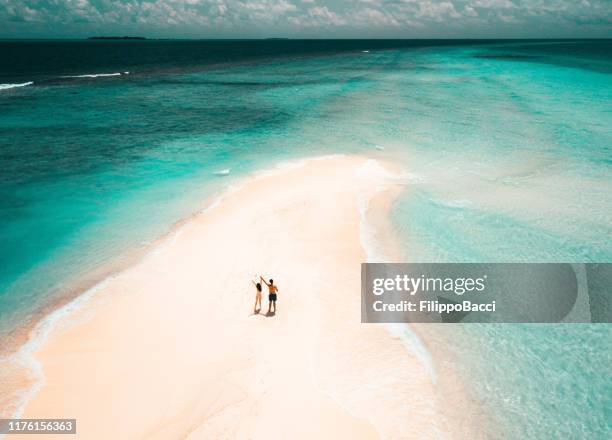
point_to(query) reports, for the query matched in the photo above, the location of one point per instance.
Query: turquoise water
(537, 381)
(507, 149)
(517, 165)
(517, 168)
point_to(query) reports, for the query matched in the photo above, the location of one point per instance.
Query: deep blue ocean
(104, 145)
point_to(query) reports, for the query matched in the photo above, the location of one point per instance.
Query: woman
(257, 296)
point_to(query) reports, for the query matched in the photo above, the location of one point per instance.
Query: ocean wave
(12, 86)
(224, 172)
(97, 75)
(375, 253)
(25, 358)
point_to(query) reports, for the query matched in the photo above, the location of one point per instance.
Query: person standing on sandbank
(257, 297)
(272, 294)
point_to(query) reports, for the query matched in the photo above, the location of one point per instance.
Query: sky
(306, 18)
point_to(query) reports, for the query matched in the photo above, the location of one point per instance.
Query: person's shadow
(266, 315)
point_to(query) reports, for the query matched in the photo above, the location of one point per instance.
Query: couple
(272, 294)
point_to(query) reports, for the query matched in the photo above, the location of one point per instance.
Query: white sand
(170, 348)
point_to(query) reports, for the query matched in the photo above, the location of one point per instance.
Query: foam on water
(16, 85)
(224, 172)
(376, 253)
(97, 75)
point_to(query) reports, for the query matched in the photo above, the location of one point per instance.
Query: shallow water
(506, 147)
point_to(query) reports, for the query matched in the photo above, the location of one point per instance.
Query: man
(272, 294)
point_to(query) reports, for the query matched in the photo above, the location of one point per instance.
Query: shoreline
(18, 343)
(83, 301)
(461, 413)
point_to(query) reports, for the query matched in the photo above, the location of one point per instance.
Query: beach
(137, 207)
(171, 348)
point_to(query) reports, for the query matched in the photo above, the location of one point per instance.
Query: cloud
(374, 17)
(437, 11)
(352, 18)
(322, 15)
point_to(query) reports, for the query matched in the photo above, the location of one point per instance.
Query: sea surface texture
(507, 147)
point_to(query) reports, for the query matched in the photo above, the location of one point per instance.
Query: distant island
(117, 38)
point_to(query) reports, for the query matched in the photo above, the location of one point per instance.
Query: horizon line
(141, 38)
